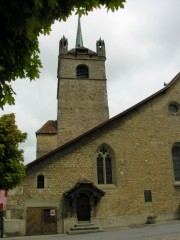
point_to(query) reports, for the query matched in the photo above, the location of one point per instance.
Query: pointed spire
(79, 39)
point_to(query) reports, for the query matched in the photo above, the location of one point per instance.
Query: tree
(21, 23)
(12, 169)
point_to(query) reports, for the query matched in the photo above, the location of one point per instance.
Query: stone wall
(141, 140)
(45, 143)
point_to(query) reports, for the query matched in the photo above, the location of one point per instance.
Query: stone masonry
(140, 140)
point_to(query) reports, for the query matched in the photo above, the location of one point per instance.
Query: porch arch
(84, 195)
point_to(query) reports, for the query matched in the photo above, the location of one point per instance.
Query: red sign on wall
(1, 206)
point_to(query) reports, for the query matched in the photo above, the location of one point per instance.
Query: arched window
(104, 167)
(82, 71)
(40, 181)
(176, 161)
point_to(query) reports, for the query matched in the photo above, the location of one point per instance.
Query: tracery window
(176, 161)
(82, 71)
(104, 167)
(40, 181)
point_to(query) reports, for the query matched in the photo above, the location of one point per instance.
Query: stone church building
(92, 172)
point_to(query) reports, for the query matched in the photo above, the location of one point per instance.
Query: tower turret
(100, 48)
(63, 45)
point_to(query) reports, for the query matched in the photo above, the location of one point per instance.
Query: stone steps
(84, 227)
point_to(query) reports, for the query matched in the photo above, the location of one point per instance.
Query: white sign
(52, 212)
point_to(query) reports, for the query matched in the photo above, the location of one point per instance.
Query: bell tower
(82, 91)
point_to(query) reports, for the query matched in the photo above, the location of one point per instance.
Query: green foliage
(21, 24)
(12, 169)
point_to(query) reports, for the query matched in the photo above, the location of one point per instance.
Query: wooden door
(41, 221)
(34, 217)
(83, 208)
(49, 225)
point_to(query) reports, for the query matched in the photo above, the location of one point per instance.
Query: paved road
(169, 230)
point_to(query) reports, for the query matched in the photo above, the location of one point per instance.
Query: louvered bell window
(82, 71)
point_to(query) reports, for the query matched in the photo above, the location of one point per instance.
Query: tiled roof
(49, 127)
(84, 184)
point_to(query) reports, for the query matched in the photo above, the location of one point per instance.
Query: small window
(104, 167)
(40, 181)
(147, 196)
(82, 71)
(176, 161)
(174, 107)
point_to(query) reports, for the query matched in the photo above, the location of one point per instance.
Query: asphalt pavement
(168, 230)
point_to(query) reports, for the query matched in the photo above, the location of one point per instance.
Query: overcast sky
(142, 48)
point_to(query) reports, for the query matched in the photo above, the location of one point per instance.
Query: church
(93, 172)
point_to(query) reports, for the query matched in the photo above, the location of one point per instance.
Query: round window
(174, 107)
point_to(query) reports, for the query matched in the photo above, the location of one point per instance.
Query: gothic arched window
(82, 71)
(176, 161)
(104, 167)
(40, 181)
